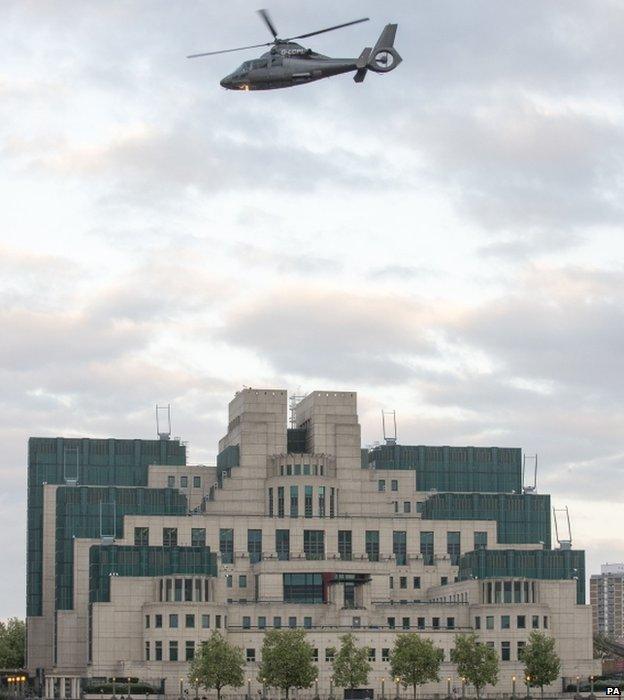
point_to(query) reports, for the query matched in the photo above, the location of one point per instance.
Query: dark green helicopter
(288, 64)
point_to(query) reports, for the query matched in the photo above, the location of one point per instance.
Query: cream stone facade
(313, 539)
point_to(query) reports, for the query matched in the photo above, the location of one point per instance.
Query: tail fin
(362, 70)
(384, 57)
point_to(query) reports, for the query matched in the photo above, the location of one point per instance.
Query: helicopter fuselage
(286, 66)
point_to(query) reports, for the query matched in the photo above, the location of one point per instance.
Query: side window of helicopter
(276, 60)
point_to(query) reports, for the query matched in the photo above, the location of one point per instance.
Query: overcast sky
(445, 239)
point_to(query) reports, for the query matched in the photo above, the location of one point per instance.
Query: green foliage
(350, 664)
(287, 660)
(541, 663)
(217, 664)
(12, 643)
(476, 662)
(415, 661)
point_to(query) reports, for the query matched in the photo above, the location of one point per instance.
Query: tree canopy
(476, 662)
(217, 664)
(350, 664)
(415, 660)
(12, 643)
(541, 663)
(287, 660)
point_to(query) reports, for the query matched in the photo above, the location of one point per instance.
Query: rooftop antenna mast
(564, 543)
(388, 422)
(163, 421)
(292, 406)
(530, 488)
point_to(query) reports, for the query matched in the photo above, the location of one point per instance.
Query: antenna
(389, 427)
(531, 488)
(292, 405)
(163, 415)
(563, 543)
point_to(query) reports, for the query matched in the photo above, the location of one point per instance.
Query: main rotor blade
(269, 23)
(329, 29)
(242, 48)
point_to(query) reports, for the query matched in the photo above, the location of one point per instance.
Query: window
(356, 621)
(435, 622)
(147, 651)
(280, 501)
(271, 502)
(141, 536)
(198, 537)
(535, 622)
(251, 656)
(277, 622)
(289, 470)
(314, 544)
(391, 623)
(307, 623)
(450, 623)
(426, 547)
(521, 622)
(205, 622)
(489, 622)
(480, 540)
(403, 582)
(294, 501)
(372, 545)
(177, 589)
(332, 501)
(329, 655)
(309, 492)
(391, 583)
(394, 485)
(189, 621)
(371, 654)
(453, 547)
(545, 622)
(406, 623)
(321, 501)
(246, 622)
(443, 580)
(183, 482)
(407, 507)
(158, 651)
(173, 651)
(506, 591)
(170, 536)
(147, 621)
(228, 580)
(505, 624)
(292, 622)
(344, 544)
(421, 623)
(315, 655)
(254, 545)
(171, 482)
(477, 623)
(262, 622)
(381, 485)
(521, 646)
(385, 654)
(157, 620)
(399, 546)
(173, 620)
(197, 482)
(226, 545)
(189, 650)
(218, 621)
(416, 581)
(505, 651)
(242, 581)
(303, 588)
(297, 469)
(396, 506)
(282, 544)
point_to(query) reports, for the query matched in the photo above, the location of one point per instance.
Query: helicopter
(288, 64)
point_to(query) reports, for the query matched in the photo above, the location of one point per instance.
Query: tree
(476, 662)
(287, 660)
(541, 663)
(12, 643)
(350, 664)
(217, 664)
(415, 661)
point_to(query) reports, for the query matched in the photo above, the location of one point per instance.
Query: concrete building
(606, 591)
(135, 556)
